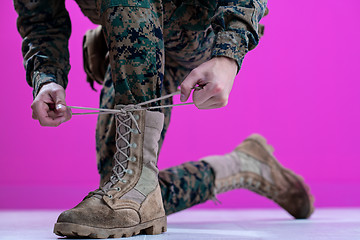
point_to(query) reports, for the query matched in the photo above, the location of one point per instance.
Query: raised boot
(253, 166)
(130, 202)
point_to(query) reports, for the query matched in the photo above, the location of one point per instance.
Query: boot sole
(153, 227)
(309, 209)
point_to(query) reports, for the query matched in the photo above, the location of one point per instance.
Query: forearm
(235, 24)
(45, 28)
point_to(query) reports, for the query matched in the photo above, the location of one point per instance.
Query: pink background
(300, 88)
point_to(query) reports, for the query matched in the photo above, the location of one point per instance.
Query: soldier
(153, 47)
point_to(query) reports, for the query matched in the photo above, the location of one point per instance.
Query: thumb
(60, 104)
(189, 82)
(60, 107)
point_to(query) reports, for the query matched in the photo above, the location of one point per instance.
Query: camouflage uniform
(152, 45)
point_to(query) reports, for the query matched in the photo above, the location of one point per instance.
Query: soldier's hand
(216, 77)
(49, 106)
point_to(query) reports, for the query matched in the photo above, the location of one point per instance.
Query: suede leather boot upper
(252, 165)
(130, 202)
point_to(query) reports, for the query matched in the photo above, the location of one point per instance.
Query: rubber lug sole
(73, 230)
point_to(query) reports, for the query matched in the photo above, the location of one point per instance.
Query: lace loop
(131, 107)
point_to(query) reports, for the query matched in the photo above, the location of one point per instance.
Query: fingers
(217, 101)
(60, 106)
(49, 107)
(34, 116)
(59, 100)
(68, 115)
(201, 97)
(189, 82)
(216, 76)
(42, 112)
(62, 111)
(211, 96)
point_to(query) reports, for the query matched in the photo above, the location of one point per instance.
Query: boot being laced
(124, 120)
(130, 203)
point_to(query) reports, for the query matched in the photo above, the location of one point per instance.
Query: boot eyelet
(136, 117)
(124, 180)
(133, 145)
(110, 196)
(118, 189)
(129, 171)
(134, 131)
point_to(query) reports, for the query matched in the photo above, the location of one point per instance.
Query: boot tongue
(101, 191)
(107, 186)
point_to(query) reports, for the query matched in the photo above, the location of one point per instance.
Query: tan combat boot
(130, 203)
(252, 165)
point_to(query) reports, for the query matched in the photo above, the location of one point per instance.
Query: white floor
(269, 224)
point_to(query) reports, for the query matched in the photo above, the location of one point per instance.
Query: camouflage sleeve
(236, 27)
(45, 28)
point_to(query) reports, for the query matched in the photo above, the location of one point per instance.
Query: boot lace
(124, 119)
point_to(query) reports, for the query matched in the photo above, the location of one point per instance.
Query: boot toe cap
(100, 218)
(71, 216)
(298, 201)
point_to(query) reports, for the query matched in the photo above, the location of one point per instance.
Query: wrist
(229, 62)
(41, 78)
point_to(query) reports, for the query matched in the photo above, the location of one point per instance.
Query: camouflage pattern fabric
(186, 185)
(45, 41)
(152, 46)
(136, 49)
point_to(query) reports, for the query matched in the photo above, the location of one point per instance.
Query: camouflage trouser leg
(133, 33)
(139, 76)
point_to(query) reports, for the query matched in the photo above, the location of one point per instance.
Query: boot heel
(158, 227)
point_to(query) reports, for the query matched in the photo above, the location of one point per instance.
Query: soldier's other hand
(216, 78)
(49, 106)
